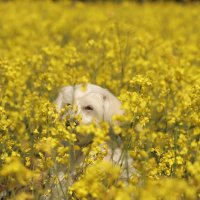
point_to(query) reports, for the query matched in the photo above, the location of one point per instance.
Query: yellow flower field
(148, 55)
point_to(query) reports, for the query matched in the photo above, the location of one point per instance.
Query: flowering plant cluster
(147, 55)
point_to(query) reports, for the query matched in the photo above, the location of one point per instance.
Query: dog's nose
(67, 123)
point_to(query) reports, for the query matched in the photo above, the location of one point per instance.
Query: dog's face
(94, 104)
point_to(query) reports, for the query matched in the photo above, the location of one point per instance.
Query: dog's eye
(88, 108)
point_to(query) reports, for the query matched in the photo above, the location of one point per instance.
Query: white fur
(104, 104)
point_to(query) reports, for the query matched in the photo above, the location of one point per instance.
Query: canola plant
(145, 54)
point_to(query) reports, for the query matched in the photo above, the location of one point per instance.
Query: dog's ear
(64, 97)
(112, 106)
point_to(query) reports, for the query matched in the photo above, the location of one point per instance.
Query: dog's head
(93, 103)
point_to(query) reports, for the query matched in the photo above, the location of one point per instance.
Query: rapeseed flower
(145, 54)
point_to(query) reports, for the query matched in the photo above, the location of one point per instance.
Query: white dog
(93, 103)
